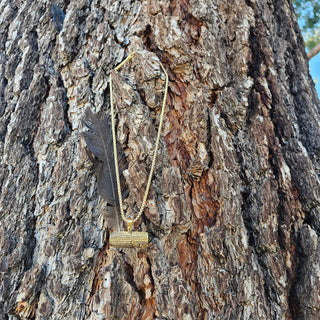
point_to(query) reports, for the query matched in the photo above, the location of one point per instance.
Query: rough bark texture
(234, 210)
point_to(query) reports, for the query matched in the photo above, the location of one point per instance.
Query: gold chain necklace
(130, 239)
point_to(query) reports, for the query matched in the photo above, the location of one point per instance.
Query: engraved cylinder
(126, 239)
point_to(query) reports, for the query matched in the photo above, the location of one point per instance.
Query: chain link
(130, 222)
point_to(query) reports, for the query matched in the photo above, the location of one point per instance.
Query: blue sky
(314, 66)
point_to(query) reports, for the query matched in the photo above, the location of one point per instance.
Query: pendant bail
(130, 225)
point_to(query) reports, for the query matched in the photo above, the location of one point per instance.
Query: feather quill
(99, 140)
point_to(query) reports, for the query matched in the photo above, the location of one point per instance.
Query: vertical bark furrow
(289, 123)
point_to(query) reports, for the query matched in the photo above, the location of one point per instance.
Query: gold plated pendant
(129, 239)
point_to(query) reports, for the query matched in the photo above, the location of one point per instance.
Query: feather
(99, 140)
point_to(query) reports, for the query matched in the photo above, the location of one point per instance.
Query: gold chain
(130, 222)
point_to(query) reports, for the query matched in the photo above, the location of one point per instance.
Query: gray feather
(99, 140)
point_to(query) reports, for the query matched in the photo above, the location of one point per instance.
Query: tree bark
(314, 51)
(233, 213)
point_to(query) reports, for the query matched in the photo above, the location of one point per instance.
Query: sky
(314, 66)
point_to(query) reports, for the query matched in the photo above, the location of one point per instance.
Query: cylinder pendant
(126, 239)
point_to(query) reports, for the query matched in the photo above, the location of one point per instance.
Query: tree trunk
(233, 214)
